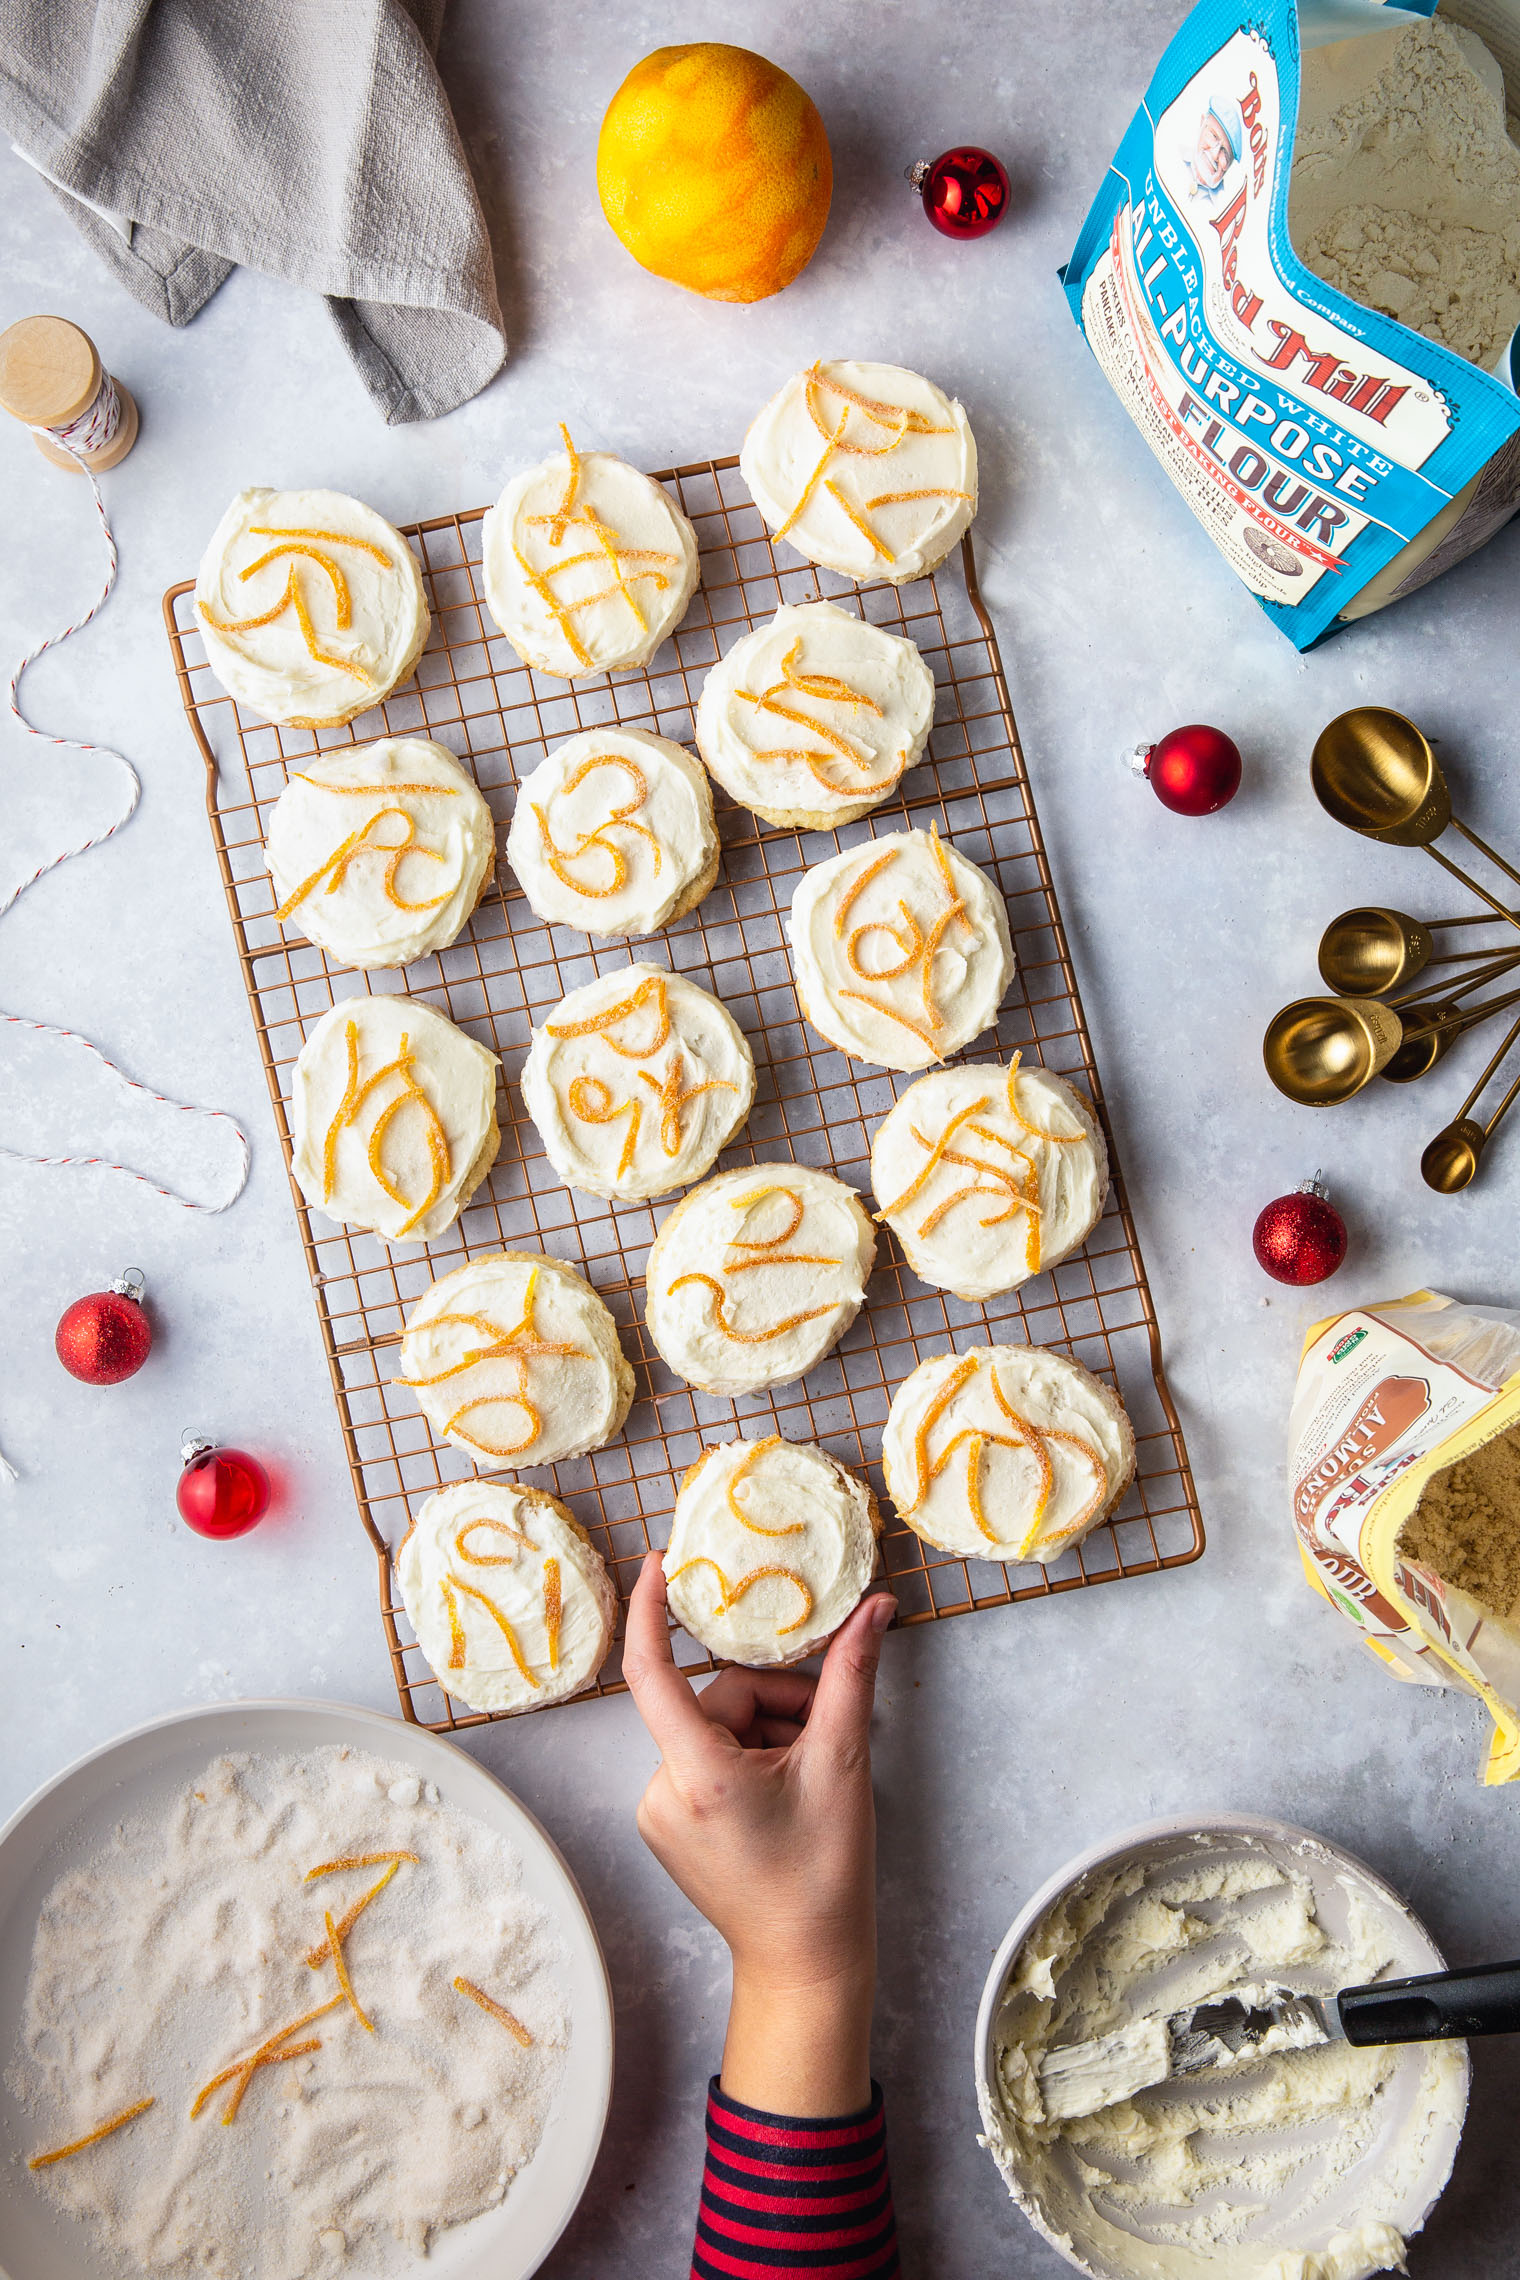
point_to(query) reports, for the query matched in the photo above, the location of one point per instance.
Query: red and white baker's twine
(92, 431)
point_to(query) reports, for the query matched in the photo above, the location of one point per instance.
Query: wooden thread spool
(52, 380)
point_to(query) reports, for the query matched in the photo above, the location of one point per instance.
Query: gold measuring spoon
(1429, 1035)
(1451, 1160)
(1371, 951)
(1374, 771)
(1321, 1051)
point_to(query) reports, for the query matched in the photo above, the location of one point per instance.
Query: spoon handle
(1466, 1107)
(1472, 885)
(1484, 849)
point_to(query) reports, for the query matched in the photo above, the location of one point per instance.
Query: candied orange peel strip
(654, 987)
(473, 1591)
(502, 1449)
(342, 599)
(1056, 1139)
(857, 886)
(936, 1150)
(498, 2011)
(674, 1093)
(901, 498)
(458, 1644)
(553, 605)
(340, 1966)
(903, 1020)
(910, 944)
(93, 2137)
(558, 857)
(335, 870)
(326, 537)
(490, 1559)
(591, 1099)
(748, 1337)
(731, 1593)
(832, 437)
(358, 1860)
(964, 1370)
(736, 1479)
(249, 2068)
(373, 791)
(245, 2068)
(554, 1608)
(767, 1242)
(316, 1956)
(859, 520)
(352, 1101)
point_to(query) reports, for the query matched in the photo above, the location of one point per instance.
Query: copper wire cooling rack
(509, 970)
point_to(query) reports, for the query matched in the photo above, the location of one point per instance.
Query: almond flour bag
(1404, 1474)
(1338, 457)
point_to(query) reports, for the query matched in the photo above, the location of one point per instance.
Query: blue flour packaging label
(1337, 459)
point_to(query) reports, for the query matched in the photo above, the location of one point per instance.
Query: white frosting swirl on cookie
(756, 1274)
(987, 1176)
(865, 468)
(1005, 1452)
(379, 852)
(588, 564)
(636, 1081)
(310, 605)
(510, 1604)
(771, 1546)
(814, 718)
(394, 1117)
(901, 949)
(516, 1360)
(614, 833)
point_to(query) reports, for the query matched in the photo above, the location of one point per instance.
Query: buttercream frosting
(771, 1545)
(379, 852)
(511, 1605)
(394, 1117)
(310, 605)
(988, 1176)
(614, 833)
(635, 1082)
(900, 948)
(814, 718)
(1005, 1452)
(515, 1359)
(588, 564)
(867, 469)
(756, 1274)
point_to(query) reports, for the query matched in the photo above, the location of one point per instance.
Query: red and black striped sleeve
(808, 2199)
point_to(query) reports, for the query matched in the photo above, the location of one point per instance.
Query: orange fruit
(713, 168)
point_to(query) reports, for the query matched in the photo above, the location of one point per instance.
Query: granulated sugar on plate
(183, 1946)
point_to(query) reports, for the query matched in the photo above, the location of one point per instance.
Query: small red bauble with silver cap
(221, 1492)
(1300, 1238)
(105, 1338)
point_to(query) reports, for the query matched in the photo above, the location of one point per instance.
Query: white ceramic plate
(1330, 1871)
(74, 1816)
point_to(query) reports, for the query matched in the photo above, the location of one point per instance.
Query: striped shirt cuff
(808, 2199)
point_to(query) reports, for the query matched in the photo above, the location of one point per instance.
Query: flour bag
(1404, 1476)
(1302, 280)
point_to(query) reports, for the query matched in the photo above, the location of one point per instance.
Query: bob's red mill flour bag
(1404, 1470)
(1302, 280)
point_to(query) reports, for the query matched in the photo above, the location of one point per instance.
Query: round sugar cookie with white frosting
(772, 1544)
(380, 852)
(900, 949)
(393, 1115)
(613, 832)
(636, 1081)
(1005, 1452)
(511, 1604)
(867, 469)
(988, 1176)
(515, 1359)
(812, 720)
(588, 564)
(310, 605)
(756, 1274)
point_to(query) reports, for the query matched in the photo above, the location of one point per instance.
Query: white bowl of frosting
(1307, 2165)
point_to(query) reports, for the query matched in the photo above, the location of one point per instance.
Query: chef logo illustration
(1216, 148)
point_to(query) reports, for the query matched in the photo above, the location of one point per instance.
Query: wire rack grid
(812, 1104)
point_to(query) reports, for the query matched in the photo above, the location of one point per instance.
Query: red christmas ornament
(965, 191)
(106, 1337)
(1301, 1238)
(221, 1492)
(1192, 771)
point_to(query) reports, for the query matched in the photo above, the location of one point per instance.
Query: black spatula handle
(1484, 2000)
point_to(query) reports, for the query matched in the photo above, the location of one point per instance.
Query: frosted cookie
(864, 468)
(812, 719)
(310, 605)
(771, 1546)
(510, 1603)
(987, 1176)
(516, 1360)
(614, 833)
(1005, 1453)
(394, 1118)
(636, 1081)
(380, 852)
(900, 949)
(755, 1275)
(588, 564)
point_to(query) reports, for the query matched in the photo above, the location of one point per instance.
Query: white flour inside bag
(198, 1934)
(1406, 184)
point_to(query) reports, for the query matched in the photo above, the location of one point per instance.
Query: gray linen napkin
(309, 138)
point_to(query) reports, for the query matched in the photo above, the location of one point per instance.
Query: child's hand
(762, 1813)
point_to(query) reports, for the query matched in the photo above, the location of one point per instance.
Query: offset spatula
(1080, 2078)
